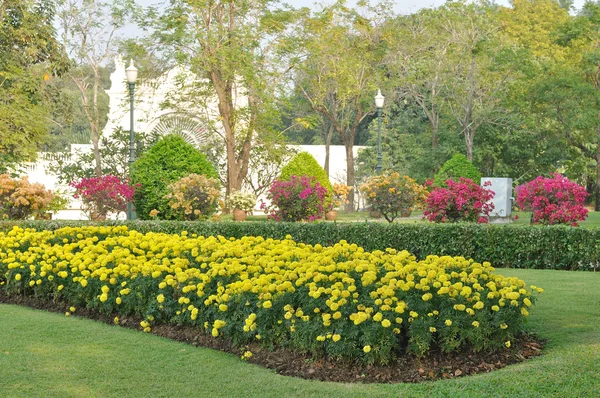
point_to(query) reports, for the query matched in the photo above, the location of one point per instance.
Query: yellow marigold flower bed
(339, 301)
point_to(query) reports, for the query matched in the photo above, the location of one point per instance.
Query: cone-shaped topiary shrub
(165, 162)
(456, 167)
(305, 164)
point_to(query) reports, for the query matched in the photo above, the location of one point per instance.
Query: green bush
(165, 162)
(541, 247)
(457, 166)
(305, 164)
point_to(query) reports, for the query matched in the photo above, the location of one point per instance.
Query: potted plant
(241, 203)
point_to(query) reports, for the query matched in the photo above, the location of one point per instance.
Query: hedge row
(541, 247)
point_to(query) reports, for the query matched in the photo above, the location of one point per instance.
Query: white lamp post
(379, 99)
(131, 73)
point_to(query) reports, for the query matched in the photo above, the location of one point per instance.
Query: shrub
(459, 201)
(305, 164)
(456, 167)
(102, 195)
(553, 200)
(520, 246)
(299, 198)
(336, 301)
(20, 199)
(167, 161)
(193, 197)
(241, 200)
(393, 194)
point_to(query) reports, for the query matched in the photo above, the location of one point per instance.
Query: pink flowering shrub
(461, 200)
(554, 200)
(101, 195)
(300, 198)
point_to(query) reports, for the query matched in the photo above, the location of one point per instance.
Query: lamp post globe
(379, 100)
(131, 72)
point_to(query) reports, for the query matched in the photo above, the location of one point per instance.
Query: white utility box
(502, 199)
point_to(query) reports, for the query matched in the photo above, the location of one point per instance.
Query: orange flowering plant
(340, 195)
(392, 194)
(20, 199)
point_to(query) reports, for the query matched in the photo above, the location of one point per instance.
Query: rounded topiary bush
(165, 162)
(456, 167)
(305, 164)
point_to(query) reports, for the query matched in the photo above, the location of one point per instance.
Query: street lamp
(131, 73)
(379, 104)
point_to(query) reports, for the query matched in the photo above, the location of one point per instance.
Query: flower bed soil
(408, 368)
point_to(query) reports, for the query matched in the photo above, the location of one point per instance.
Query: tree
(481, 69)
(235, 48)
(88, 29)
(29, 56)
(341, 71)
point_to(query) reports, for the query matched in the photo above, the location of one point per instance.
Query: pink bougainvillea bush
(300, 198)
(102, 195)
(555, 200)
(461, 200)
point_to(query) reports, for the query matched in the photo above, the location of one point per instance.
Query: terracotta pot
(331, 215)
(374, 214)
(239, 215)
(405, 212)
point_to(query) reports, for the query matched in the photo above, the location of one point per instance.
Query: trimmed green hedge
(541, 247)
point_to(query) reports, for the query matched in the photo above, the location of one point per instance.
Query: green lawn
(50, 355)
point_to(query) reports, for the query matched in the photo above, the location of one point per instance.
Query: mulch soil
(407, 368)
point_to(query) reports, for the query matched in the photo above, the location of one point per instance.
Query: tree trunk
(435, 131)
(328, 139)
(469, 144)
(350, 173)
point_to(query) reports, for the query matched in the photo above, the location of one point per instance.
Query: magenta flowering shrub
(300, 198)
(554, 200)
(461, 200)
(101, 195)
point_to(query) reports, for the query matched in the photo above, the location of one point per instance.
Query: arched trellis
(191, 129)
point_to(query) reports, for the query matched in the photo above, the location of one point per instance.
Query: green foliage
(165, 162)
(457, 166)
(29, 56)
(114, 151)
(517, 246)
(305, 164)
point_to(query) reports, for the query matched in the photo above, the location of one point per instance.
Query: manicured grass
(50, 355)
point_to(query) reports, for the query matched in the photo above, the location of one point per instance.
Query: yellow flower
(432, 329)
(118, 300)
(386, 323)
(507, 344)
(116, 320)
(223, 307)
(18, 277)
(160, 298)
(72, 309)
(336, 338)
(475, 323)
(367, 349)
(448, 322)
(267, 304)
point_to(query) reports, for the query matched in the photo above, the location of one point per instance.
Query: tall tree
(342, 71)
(237, 50)
(88, 31)
(29, 56)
